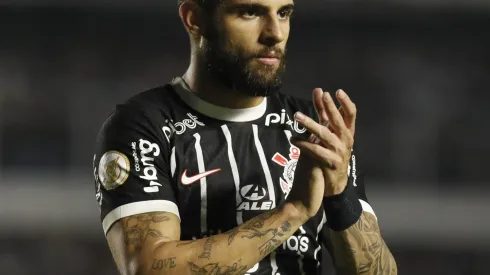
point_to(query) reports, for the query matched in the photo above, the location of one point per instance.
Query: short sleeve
(132, 168)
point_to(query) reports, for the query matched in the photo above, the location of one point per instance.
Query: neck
(209, 89)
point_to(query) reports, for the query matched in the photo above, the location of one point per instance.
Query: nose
(273, 32)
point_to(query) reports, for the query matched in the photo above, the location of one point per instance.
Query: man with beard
(220, 173)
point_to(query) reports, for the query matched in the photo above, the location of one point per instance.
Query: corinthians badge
(286, 181)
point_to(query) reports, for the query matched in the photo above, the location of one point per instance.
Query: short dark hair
(208, 4)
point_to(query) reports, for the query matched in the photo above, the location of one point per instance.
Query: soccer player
(218, 172)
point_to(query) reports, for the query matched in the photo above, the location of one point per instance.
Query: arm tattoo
(217, 269)
(360, 249)
(254, 228)
(251, 229)
(208, 245)
(271, 244)
(181, 243)
(159, 264)
(138, 228)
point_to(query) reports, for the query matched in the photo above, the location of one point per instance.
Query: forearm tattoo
(253, 228)
(273, 242)
(217, 269)
(162, 264)
(360, 249)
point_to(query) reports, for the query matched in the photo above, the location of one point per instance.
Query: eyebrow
(256, 6)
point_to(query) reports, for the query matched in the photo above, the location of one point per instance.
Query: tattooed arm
(148, 244)
(360, 249)
(353, 236)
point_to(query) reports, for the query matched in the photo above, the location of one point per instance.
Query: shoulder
(295, 103)
(158, 97)
(141, 114)
(153, 105)
(159, 100)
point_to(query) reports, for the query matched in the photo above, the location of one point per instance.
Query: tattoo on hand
(159, 264)
(217, 269)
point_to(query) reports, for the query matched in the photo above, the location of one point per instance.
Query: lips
(271, 56)
(269, 60)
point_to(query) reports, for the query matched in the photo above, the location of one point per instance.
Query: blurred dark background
(417, 70)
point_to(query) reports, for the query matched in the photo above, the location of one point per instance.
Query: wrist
(342, 210)
(334, 190)
(296, 211)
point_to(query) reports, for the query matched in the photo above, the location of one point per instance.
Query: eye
(285, 14)
(249, 14)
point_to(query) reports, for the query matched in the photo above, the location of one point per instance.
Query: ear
(193, 18)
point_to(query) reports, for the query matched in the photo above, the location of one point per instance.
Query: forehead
(266, 3)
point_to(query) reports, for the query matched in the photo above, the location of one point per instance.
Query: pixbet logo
(180, 127)
(281, 119)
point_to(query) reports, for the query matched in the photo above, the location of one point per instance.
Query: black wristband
(343, 210)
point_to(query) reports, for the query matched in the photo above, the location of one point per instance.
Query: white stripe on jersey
(367, 208)
(234, 171)
(204, 194)
(136, 208)
(273, 262)
(301, 256)
(318, 230)
(265, 166)
(288, 135)
(172, 162)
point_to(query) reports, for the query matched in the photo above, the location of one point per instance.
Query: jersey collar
(217, 112)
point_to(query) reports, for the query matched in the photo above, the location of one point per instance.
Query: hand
(332, 138)
(308, 187)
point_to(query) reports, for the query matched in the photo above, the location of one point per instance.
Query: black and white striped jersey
(168, 150)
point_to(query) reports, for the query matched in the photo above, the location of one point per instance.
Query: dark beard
(236, 72)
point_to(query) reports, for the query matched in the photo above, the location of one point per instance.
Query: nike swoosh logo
(186, 180)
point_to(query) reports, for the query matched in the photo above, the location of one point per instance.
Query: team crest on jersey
(289, 164)
(113, 169)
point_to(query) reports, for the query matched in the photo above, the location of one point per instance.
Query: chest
(257, 163)
(232, 172)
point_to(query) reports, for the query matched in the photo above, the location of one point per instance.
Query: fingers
(324, 155)
(348, 111)
(319, 106)
(335, 118)
(318, 131)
